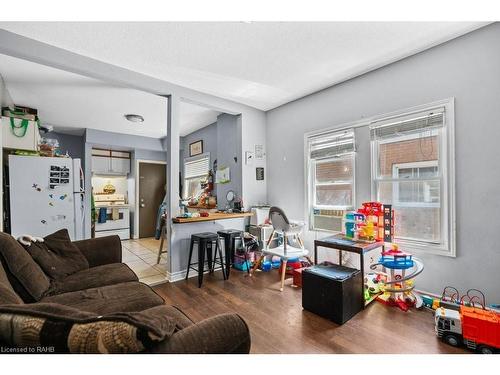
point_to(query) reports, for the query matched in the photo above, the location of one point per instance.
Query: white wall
(467, 68)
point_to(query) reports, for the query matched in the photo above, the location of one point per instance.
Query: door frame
(136, 214)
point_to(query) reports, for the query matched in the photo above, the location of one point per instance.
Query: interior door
(152, 182)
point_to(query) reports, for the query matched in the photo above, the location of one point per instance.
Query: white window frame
(310, 180)
(395, 194)
(447, 247)
(314, 184)
(205, 155)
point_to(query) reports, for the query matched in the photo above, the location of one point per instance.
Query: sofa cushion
(7, 293)
(57, 255)
(108, 274)
(24, 274)
(182, 320)
(124, 297)
(69, 330)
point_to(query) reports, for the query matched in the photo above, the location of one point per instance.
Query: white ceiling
(259, 64)
(71, 102)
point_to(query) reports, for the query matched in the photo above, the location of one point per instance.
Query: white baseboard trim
(181, 275)
(176, 276)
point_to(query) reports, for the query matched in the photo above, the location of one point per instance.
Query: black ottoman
(332, 291)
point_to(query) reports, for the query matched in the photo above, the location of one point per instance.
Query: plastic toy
(397, 286)
(472, 325)
(374, 221)
(291, 265)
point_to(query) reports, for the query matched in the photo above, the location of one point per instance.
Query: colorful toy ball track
(398, 287)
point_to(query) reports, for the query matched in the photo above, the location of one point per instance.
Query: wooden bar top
(211, 217)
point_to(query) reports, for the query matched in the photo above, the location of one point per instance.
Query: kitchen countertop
(107, 205)
(211, 217)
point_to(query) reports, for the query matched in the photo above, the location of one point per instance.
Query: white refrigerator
(46, 194)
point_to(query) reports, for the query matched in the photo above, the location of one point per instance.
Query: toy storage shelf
(339, 242)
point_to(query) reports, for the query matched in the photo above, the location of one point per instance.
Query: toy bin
(332, 291)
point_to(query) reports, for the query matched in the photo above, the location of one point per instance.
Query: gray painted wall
(209, 136)
(73, 144)
(467, 68)
(229, 155)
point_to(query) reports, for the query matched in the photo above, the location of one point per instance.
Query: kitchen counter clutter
(211, 217)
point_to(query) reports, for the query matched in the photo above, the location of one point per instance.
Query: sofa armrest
(221, 334)
(102, 250)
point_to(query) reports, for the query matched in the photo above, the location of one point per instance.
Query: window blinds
(196, 168)
(408, 124)
(331, 144)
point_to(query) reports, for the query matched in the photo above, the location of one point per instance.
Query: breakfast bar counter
(212, 216)
(181, 236)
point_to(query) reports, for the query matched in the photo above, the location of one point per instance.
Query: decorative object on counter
(109, 188)
(48, 147)
(196, 148)
(206, 199)
(230, 196)
(222, 175)
(238, 205)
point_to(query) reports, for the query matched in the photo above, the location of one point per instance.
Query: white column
(173, 147)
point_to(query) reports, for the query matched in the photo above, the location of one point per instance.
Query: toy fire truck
(472, 326)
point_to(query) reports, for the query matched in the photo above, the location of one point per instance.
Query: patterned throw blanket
(63, 329)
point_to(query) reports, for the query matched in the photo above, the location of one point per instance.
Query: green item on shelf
(20, 129)
(92, 209)
(26, 153)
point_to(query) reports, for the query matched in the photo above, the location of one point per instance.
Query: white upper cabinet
(110, 162)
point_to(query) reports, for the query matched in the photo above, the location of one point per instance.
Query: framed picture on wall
(196, 148)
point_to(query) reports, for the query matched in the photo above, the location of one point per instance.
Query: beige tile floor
(140, 255)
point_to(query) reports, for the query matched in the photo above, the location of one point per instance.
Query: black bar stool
(230, 236)
(205, 243)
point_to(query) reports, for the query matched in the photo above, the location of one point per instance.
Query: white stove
(113, 216)
(102, 200)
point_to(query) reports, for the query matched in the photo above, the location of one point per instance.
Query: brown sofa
(109, 287)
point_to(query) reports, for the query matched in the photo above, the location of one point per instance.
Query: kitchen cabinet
(120, 165)
(101, 164)
(110, 162)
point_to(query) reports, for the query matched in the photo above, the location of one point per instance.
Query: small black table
(339, 242)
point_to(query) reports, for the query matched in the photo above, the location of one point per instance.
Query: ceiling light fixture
(134, 118)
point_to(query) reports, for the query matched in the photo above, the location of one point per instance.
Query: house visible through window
(410, 162)
(331, 178)
(195, 172)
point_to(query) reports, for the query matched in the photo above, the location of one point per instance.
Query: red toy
(382, 217)
(297, 277)
(472, 326)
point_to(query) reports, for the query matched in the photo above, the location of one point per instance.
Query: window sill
(423, 248)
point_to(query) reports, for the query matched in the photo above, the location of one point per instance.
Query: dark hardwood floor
(279, 325)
